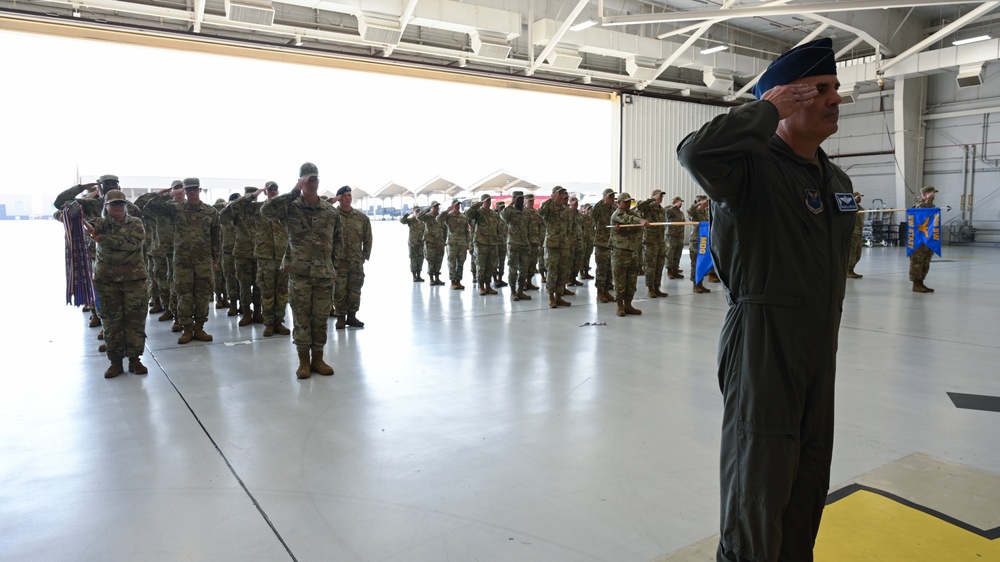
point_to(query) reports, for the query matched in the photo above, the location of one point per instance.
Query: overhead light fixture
(714, 49)
(968, 40)
(591, 22)
(298, 40)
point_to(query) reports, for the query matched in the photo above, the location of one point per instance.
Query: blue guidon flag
(703, 263)
(923, 228)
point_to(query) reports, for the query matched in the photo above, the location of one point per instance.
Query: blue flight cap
(815, 58)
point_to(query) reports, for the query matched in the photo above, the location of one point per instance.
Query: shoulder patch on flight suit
(814, 202)
(846, 202)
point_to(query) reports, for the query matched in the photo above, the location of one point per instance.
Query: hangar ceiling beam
(943, 33)
(580, 5)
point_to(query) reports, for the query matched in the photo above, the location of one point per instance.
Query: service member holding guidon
(782, 218)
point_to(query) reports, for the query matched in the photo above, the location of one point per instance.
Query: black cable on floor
(223, 455)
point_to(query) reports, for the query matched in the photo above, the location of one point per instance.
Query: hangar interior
(465, 428)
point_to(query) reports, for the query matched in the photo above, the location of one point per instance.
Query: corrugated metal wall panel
(651, 130)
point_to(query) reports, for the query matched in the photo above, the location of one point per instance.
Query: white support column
(908, 106)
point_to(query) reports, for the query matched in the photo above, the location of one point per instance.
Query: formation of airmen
(557, 241)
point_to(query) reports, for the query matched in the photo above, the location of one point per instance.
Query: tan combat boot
(561, 302)
(268, 331)
(629, 309)
(319, 365)
(233, 308)
(220, 301)
(176, 326)
(608, 295)
(156, 308)
(167, 315)
(305, 369)
(114, 370)
(95, 321)
(482, 289)
(660, 293)
(651, 293)
(199, 332)
(258, 318)
(586, 275)
(852, 275)
(135, 366)
(187, 336)
(352, 321)
(341, 322)
(602, 296)
(552, 300)
(416, 278)
(247, 317)
(621, 307)
(281, 330)
(520, 293)
(918, 287)
(566, 291)
(712, 277)
(699, 288)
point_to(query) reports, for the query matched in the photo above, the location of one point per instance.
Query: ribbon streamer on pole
(703, 263)
(79, 275)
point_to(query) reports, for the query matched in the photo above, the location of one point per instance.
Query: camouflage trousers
(311, 299)
(535, 252)
(152, 285)
(653, 258)
(486, 262)
(675, 246)
(347, 291)
(518, 264)
(435, 255)
(220, 279)
(693, 251)
(194, 291)
(164, 272)
(501, 260)
(123, 313)
(588, 251)
(272, 280)
(540, 260)
(856, 251)
(603, 277)
(229, 272)
(416, 257)
(625, 264)
(456, 262)
(557, 263)
(920, 263)
(246, 274)
(579, 258)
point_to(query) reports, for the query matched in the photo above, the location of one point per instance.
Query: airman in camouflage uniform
(519, 226)
(435, 233)
(229, 262)
(675, 239)
(120, 283)
(415, 242)
(698, 212)
(484, 235)
(537, 241)
(920, 258)
(197, 245)
(458, 242)
(588, 242)
(149, 225)
(626, 243)
(355, 250)
(221, 297)
(163, 254)
(859, 225)
(558, 232)
(601, 214)
(576, 242)
(93, 206)
(501, 238)
(269, 243)
(654, 248)
(314, 238)
(246, 264)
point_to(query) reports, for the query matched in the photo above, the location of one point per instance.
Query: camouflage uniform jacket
(484, 222)
(537, 227)
(674, 214)
(458, 228)
(148, 223)
(519, 225)
(588, 229)
(356, 231)
(653, 212)
(119, 253)
(197, 231)
(93, 207)
(859, 221)
(601, 214)
(435, 231)
(696, 215)
(417, 229)
(269, 238)
(163, 236)
(558, 224)
(577, 228)
(314, 234)
(626, 238)
(245, 222)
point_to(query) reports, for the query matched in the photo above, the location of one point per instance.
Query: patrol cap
(271, 186)
(219, 202)
(114, 196)
(435, 204)
(517, 194)
(574, 199)
(530, 196)
(456, 201)
(607, 192)
(625, 196)
(192, 183)
(701, 198)
(586, 206)
(234, 196)
(929, 189)
(815, 58)
(176, 183)
(858, 194)
(343, 189)
(655, 193)
(107, 177)
(308, 170)
(249, 189)
(678, 198)
(558, 188)
(484, 197)
(501, 205)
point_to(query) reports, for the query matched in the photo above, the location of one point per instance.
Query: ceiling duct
(970, 75)
(564, 58)
(256, 12)
(645, 70)
(717, 80)
(489, 46)
(379, 29)
(849, 93)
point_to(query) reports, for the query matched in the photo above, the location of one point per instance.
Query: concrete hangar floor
(460, 427)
